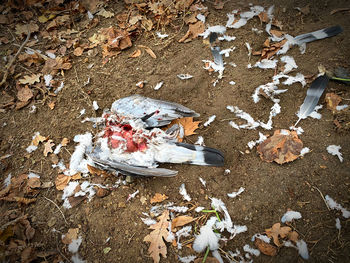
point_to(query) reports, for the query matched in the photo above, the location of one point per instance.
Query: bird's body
(131, 140)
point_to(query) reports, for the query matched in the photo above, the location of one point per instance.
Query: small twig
(14, 58)
(57, 208)
(131, 238)
(322, 197)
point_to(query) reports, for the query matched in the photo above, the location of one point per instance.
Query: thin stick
(14, 58)
(322, 197)
(57, 208)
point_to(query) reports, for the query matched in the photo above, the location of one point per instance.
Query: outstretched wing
(155, 113)
(132, 170)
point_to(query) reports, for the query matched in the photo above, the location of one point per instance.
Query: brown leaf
(265, 248)
(264, 18)
(277, 33)
(51, 105)
(78, 51)
(193, 31)
(28, 255)
(149, 51)
(64, 142)
(76, 200)
(332, 101)
(48, 147)
(157, 236)
(135, 54)
(293, 236)
(101, 192)
(24, 94)
(277, 231)
(34, 182)
(22, 29)
(281, 147)
(181, 221)
(70, 235)
(157, 198)
(38, 139)
(97, 171)
(62, 181)
(188, 124)
(18, 199)
(58, 21)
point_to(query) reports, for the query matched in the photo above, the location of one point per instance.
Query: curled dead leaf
(193, 31)
(277, 231)
(332, 101)
(135, 54)
(181, 221)
(78, 51)
(149, 51)
(265, 248)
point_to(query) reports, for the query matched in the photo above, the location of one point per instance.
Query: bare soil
(270, 189)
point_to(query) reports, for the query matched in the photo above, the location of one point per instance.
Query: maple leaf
(157, 236)
(277, 231)
(30, 79)
(157, 198)
(48, 147)
(188, 125)
(282, 147)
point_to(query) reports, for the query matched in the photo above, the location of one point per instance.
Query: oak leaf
(265, 248)
(30, 79)
(157, 198)
(38, 139)
(157, 236)
(277, 231)
(284, 146)
(48, 147)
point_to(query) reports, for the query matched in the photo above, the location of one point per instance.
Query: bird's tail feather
(199, 155)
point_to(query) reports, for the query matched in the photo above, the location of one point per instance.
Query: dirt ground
(270, 189)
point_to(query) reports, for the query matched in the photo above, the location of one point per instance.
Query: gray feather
(132, 170)
(319, 34)
(313, 94)
(217, 56)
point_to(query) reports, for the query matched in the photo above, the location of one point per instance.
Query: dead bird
(132, 143)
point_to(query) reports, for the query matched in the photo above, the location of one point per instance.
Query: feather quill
(313, 94)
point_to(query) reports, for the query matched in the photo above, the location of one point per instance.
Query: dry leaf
(265, 248)
(64, 142)
(34, 182)
(51, 105)
(30, 79)
(277, 231)
(38, 139)
(293, 236)
(62, 181)
(21, 200)
(264, 18)
(157, 236)
(22, 29)
(24, 94)
(281, 147)
(193, 31)
(157, 198)
(58, 21)
(105, 14)
(188, 124)
(181, 221)
(332, 101)
(76, 200)
(149, 51)
(71, 235)
(135, 54)
(97, 171)
(277, 33)
(78, 51)
(48, 147)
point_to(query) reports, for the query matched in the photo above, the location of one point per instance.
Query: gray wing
(132, 170)
(154, 113)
